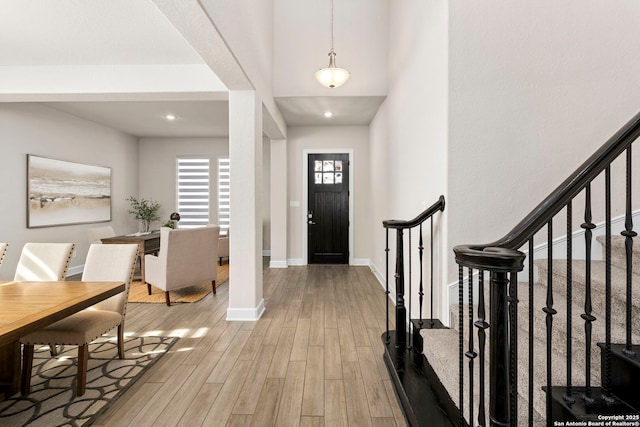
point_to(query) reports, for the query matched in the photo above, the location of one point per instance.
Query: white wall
(158, 170)
(266, 196)
(408, 170)
(334, 137)
(535, 88)
(36, 129)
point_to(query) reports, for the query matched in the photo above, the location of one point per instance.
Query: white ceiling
(134, 32)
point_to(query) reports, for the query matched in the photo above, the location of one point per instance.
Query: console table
(149, 243)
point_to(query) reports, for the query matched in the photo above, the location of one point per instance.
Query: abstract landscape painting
(62, 193)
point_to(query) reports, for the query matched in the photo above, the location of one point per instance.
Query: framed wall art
(63, 193)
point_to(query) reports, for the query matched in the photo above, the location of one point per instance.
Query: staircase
(550, 341)
(441, 346)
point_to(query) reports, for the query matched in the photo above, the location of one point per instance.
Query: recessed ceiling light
(170, 117)
(328, 114)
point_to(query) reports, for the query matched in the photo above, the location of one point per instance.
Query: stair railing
(503, 259)
(402, 327)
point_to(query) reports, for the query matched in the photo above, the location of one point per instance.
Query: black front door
(328, 210)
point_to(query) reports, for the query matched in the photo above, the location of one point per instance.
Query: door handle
(311, 223)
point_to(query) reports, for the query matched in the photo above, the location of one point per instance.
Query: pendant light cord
(331, 25)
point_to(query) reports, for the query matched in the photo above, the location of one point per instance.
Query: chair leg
(27, 366)
(83, 357)
(166, 297)
(53, 350)
(149, 288)
(220, 260)
(121, 340)
(213, 283)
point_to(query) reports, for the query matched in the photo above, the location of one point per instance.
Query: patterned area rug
(53, 400)
(138, 291)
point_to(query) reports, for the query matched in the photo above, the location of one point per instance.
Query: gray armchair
(187, 257)
(223, 247)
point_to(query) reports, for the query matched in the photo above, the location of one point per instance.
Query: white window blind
(224, 194)
(193, 192)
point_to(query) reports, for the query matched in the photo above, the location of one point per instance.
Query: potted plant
(144, 210)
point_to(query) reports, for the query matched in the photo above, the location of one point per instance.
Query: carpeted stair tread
(539, 359)
(598, 286)
(440, 345)
(619, 252)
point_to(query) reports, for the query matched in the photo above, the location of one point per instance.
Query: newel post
(499, 389)
(501, 263)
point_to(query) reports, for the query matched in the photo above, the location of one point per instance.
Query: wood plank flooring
(313, 359)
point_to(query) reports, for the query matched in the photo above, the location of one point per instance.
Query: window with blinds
(224, 194)
(193, 191)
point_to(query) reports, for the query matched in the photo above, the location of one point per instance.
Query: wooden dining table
(28, 306)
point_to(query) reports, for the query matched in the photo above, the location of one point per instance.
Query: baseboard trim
(72, 271)
(296, 261)
(378, 275)
(245, 314)
(361, 262)
(278, 264)
(266, 253)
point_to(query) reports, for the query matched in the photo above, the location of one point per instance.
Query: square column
(246, 300)
(279, 201)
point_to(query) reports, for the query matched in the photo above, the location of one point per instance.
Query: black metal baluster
(421, 292)
(531, 334)
(550, 312)
(431, 254)
(461, 343)
(567, 396)
(482, 325)
(386, 281)
(606, 385)
(499, 409)
(513, 337)
(401, 310)
(587, 316)
(410, 325)
(629, 234)
(471, 354)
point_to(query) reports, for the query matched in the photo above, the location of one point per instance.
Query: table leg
(141, 254)
(9, 370)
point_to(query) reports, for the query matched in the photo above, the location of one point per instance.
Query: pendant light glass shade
(332, 76)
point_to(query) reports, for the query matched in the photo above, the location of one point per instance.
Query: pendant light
(332, 76)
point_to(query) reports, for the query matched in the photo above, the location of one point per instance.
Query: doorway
(328, 208)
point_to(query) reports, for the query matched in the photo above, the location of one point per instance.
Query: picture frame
(61, 192)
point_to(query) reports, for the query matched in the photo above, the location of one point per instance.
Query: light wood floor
(313, 359)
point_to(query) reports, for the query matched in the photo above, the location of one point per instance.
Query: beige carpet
(138, 291)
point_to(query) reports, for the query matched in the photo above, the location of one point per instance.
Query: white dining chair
(97, 233)
(40, 262)
(111, 263)
(3, 251)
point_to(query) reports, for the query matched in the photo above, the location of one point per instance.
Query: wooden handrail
(397, 223)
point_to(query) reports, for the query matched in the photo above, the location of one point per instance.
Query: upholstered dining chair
(41, 262)
(113, 263)
(3, 251)
(97, 233)
(187, 257)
